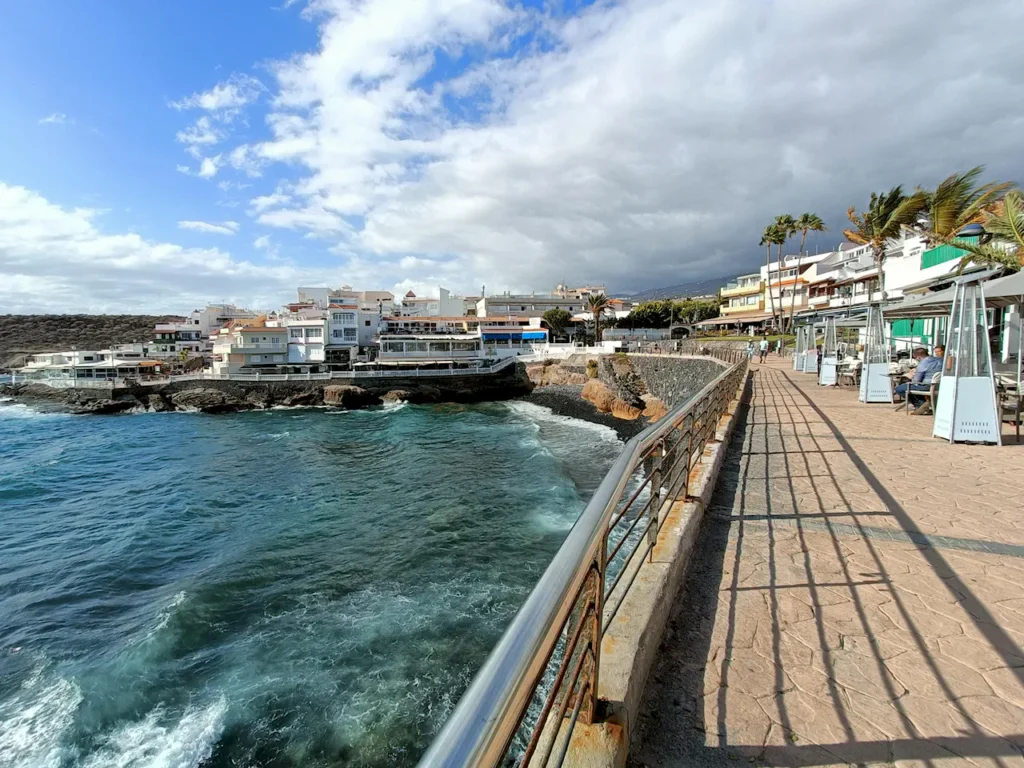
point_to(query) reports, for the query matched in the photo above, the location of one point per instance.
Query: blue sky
(154, 156)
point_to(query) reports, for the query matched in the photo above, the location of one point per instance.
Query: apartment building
(248, 349)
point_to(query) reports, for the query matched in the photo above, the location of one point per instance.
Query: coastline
(566, 400)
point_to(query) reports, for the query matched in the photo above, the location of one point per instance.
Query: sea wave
(543, 414)
(153, 742)
(22, 411)
(34, 721)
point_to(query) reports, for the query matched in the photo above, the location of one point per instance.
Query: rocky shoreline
(231, 397)
(567, 400)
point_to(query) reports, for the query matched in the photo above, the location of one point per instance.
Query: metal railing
(542, 678)
(410, 372)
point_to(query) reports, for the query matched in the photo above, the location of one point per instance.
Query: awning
(736, 319)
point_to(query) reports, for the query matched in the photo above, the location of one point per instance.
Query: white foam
(149, 743)
(392, 407)
(33, 722)
(541, 413)
(164, 615)
(22, 411)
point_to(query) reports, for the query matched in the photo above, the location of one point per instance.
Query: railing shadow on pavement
(686, 717)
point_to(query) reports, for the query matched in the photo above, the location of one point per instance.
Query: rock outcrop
(348, 396)
(397, 396)
(598, 393)
(206, 400)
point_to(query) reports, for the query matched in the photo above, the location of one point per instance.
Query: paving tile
(856, 596)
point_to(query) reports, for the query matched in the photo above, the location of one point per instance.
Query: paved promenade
(857, 596)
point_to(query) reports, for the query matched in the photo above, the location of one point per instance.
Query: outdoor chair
(932, 395)
(849, 370)
(1010, 403)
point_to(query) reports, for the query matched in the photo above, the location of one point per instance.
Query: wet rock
(207, 400)
(302, 398)
(397, 396)
(104, 406)
(347, 396)
(156, 403)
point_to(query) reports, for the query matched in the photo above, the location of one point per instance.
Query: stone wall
(674, 380)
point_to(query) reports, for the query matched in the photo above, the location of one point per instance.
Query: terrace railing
(542, 678)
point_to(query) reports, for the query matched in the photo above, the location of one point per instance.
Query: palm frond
(957, 202)
(990, 255)
(1007, 221)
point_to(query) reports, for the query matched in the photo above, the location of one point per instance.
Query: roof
(410, 295)
(262, 329)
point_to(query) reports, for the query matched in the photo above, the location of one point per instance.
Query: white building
(118, 362)
(249, 349)
(382, 302)
(445, 305)
(533, 305)
(787, 288)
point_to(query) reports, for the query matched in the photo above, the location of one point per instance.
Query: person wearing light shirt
(927, 367)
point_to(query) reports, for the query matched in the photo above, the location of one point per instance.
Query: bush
(592, 368)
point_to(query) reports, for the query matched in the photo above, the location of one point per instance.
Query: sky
(155, 157)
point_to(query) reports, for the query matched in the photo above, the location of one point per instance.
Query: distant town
(326, 330)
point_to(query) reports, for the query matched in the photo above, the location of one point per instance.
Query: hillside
(22, 335)
(683, 290)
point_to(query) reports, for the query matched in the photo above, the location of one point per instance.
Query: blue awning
(497, 336)
(534, 335)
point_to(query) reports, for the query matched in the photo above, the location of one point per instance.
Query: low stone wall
(674, 380)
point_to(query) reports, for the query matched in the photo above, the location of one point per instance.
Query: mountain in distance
(707, 287)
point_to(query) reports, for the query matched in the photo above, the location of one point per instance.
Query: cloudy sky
(156, 156)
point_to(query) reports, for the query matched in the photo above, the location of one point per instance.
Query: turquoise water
(286, 588)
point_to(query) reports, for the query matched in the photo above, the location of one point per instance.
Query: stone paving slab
(857, 596)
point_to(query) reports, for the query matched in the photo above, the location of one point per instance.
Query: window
(314, 333)
(367, 323)
(275, 339)
(344, 317)
(295, 333)
(338, 333)
(350, 334)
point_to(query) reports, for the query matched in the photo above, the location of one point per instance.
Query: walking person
(750, 350)
(763, 348)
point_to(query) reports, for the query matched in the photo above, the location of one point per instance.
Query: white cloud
(263, 202)
(262, 242)
(645, 143)
(215, 228)
(59, 260)
(202, 132)
(56, 118)
(224, 98)
(208, 168)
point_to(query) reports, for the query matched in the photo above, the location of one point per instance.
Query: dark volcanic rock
(348, 396)
(397, 396)
(207, 400)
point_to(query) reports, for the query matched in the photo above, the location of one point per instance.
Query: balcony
(742, 309)
(819, 301)
(742, 289)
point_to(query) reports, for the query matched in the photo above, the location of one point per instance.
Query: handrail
(566, 609)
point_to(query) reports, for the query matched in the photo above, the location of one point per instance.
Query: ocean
(295, 587)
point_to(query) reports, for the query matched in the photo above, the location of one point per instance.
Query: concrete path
(857, 596)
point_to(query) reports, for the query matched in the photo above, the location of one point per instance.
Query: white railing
(417, 373)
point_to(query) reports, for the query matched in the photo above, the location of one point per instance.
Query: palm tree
(957, 202)
(598, 304)
(785, 228)
(1004, 225)
(808, 222)
(883, 220)
(767, 238)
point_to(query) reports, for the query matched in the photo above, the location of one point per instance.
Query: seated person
(927, 366)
